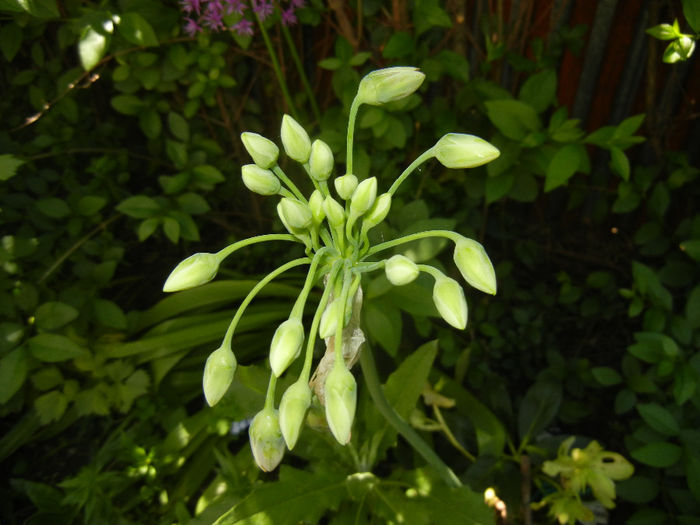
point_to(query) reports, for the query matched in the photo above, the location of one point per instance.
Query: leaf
(51, 406)
(498, 187)
(637, 489)
(606, 376)
(192, 203)
(137, 30)
(692, 307)
(176, 152)
(383, 323)
(458, 505)
(54, 314)
(128, 104)
(562, 167)
(40, 8)
(539, 90)
(178, 126)
(659, 454)
(8, 166)
(150, 123)
(139, 207)
(692, 248)
(692, 472)
(538, 408)
(619, 163)
(428, 14)
(663, 32)
(90, 204)
(691, 10)
(513, 118)
(135, 386)
(52, 348)
(659, 418)
(13, 372)
(109, 314)
(94, 41)
(53, 207)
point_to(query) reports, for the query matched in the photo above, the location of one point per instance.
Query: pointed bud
(457, 150)
(259, 180)
(377, 212)
(345, 185)
(400, 270)
(286, 345)
(263, 151)
(196, 270)
(321, 160)
(449, 300)
(293, 406)
(474, 265)
(294, 214)
(218, 374)
(316, 207)
(364, 196)
(295, 140)
(334, 212)
(341, 401)
(329, 319)
(389, 84)
(266, 440)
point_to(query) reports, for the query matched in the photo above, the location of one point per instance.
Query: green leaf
(178, 126)
(150, 123)
(10, 41)
(94, 41)
(51, 406)
(540, 90)
(619, 163)
(538, 408)
(136, 30)
(192, 203)
(659, 454)
(692, 472)
(90, 204)
(685, 382)
(208, 175)
(692, 307)
(498, 187)
(692, 248)
(330, 64)
(629, 126)
(8, 166)
(637, 489)
(135, 386)
(562, 167)
(691, 10)
(663, 32)
(53, 207)
(659, 418)
(404, 385)
(400, 44)
(13, 372)
(54, 314)
(171, 228)
(176, 152)
(52, 348)
(139, 207)
(109, 314)
(46, 378)
(383, 323)
(513, 118)
(606, 376)
(128, 104)
(38, 8)
(147, 228)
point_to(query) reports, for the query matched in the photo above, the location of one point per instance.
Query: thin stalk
(302, 73)
(347, 279)
(298, 308)
(283, 177)
(276, 66)
(253, 240)
(351, 131)
(270, 396)
(413, 237)
(420, 160)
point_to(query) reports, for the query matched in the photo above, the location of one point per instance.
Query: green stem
(222, 254)
(276, 67)
(298, 308)
(283, 177)
(343, 298)
(270, 396)
(369, 371)
(413, 237)
(302, 73)
(434, 272)
(420, 160)
(351, 130)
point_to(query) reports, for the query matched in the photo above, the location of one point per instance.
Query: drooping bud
(196, 270)
(341, 401)
(259, 180)
(400, 270)
(329, 319)
(321, 160)
(389, 84)
(449, 300)
(293, 406)
(345, 185)
(316, 207)
(334, 212)
(264, 151)
(286, 345)
(218, 374)
(474, 265)
(295, 140)
(377, 212)
(458, 150)
(364, 196)
(266, 440)
(294, 213)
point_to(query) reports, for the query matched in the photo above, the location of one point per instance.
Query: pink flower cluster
(209, 15)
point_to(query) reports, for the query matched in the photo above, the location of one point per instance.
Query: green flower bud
(345, 185)
(334, 212)
(295, 140)
(266, 440)
(329, 319)
(196, 270)
(293, 406)
(341, 401)
(400, 270)
(263, 151)
(316, 207)
(364, 196)
(294, 214)
(474, 265)
(457, 150)
(218, 374)
(321, 160)
(389, 84)
(259, 180)
(377, 212)
(449, 300)
(286, 345)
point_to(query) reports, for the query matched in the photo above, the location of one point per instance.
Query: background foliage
(119, 155)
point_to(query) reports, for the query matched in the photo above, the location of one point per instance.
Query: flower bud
(400, 270)
(345, 185)
(218, 374)
(341, 400)
(449, 300)
(458, 150)
(363, 197)
(263, 151)
(316, 207)
(389, 84)
(474, 265)
(321, 160)
(295, 140)
(293, 406)
(377, 212)
(196, 270)
(266, 440)
(294, 214)
(329, 319)
(334, 212)
(286, 345)
(259, 180)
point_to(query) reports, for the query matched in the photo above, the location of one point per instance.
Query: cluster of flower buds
(333, 225)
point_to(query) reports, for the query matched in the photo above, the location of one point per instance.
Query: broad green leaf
(691, 10)
(663, 32)
(209, 175)
(538, 408)
(659, 454)
(692, 248)
(137, 30)
(51, 406)
(563, 165)
(54, 314)
(619, 163)
(109, 314)
(692, 307)
(39, 8)
(52, 348)
(139, 207)
(53, 207)
(8, 166)
(428, 14)
(171, 228)
(404, 385)
(498, 187)
(606, 376)
(13, 372)
(383, 323)
(193, 203)
(399, 44)
(685, 383)
(176, 152)
(90, 204)
(692, 472)
(178, 126)
(46, 378)
(135, 386)
(629, 126)
(94, 41)
(637, 489)
(539, 90)
(513, 118)
(128, 104)
(150, 123)
(659, 418)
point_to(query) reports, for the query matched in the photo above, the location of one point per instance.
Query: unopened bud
(295, 140)
(266, 440)
(377, 212)
(259, 180)
(334, 212)
(294, 214)
(329, 319)
(449, 300)
(293, 406)
(474, 265)
(458, 150)
(263, 151)
(321, 160)
(316, 207)
(218, 374)
(400, 270)
(364, 196)
(345, 185)
(286, 345)
(389, 84)
(341, 401)
(196, 270)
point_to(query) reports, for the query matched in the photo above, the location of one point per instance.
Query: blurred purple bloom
(296, 4)
(288, 17)
(263, 8)
(243, 27)
(191, 27)
(191, 6)
(213, 16)
(235, 6)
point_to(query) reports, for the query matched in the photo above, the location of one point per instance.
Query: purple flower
(288, 17)
(213, 16)
(263, 8)
(191, 27)
(243, 27)
(191, 6)
(235, 6)
(296, 4)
